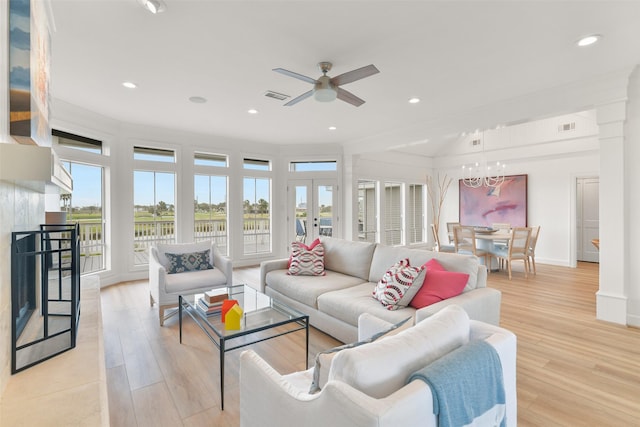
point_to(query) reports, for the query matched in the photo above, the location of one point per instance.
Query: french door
(312, 210)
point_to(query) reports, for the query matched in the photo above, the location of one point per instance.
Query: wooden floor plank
(154, 407)
(121, 411)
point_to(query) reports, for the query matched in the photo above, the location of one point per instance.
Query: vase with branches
(436, 193)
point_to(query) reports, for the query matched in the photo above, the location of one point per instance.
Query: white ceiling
(458, 57)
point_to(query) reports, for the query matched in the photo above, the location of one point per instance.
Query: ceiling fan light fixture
(324, 91)
(325, 95)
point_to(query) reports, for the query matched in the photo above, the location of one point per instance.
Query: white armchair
(393, 402)
(164, 288)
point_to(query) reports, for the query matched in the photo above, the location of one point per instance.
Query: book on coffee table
(209, 309)
(215, 295)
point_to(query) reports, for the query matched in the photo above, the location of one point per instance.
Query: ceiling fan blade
(347, 96)
(299, 98)
(353, 75)
(295, 75)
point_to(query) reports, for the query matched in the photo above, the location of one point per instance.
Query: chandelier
(482, 173)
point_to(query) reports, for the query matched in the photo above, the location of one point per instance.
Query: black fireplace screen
(45, 293)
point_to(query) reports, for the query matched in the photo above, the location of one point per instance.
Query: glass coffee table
(263, 319)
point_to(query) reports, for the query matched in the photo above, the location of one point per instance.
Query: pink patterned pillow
(399, 285)
(439, 284)
(306, 260)
(311, 246)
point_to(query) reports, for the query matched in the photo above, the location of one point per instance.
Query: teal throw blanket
(465, 384)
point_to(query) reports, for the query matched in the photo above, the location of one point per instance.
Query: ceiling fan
(325, 88)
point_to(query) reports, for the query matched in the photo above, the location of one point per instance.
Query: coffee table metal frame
(219, 336)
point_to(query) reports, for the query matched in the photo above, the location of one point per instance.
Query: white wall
(20, 209)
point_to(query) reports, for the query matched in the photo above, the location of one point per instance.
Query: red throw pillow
(439, 284)
(303, 246)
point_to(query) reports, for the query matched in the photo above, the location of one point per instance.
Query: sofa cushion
(306, 289)
(399, 285)
(190, 280)
(350, 258)
(384, 256)
(382, 367)
(348, 304)
(306, 260)
(190, 261)
(324, 358)
(439, 284)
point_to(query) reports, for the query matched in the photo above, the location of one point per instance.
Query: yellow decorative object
(233, 318)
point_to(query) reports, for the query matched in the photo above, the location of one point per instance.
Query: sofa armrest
(369, 325)
(267, 266)
(480, 304)
(157, 275)
(223, 263)
(482, 277)
(505, 343)
(264, 392)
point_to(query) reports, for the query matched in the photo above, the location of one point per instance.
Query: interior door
(312, 209)
(588, 218)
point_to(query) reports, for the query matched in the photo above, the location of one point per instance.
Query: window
(154, 154)
(210, 210)
(415, 214)
(208, 159)
(154, 211)
(393, 207)
(77, 142)
(84, 206)
(257, 215)
(317, 166)
(258, 165)
(84, 158)
(367, 216)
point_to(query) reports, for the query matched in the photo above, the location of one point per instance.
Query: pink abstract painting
(484, 206)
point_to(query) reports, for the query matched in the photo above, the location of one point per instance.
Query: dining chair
(450, 227)
(464, 242)
(501, 227)
(535, 232)
(518, 249)
(439, 247)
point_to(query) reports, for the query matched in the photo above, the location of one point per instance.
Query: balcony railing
(257, 239)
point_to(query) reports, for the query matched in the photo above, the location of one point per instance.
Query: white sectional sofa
(370, 385)
(335, 301)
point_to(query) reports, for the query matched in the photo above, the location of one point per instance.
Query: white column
(611, 299)
(632, 201)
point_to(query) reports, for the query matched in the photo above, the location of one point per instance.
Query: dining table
(486, 241)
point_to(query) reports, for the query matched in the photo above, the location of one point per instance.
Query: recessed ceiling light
(588, 40)
(332, 128)
(129, 85)
(252, 111)
(414, 100)
(154, 6)
(198, 99)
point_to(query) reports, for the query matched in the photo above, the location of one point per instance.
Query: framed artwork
(484, 206)
(29, 55)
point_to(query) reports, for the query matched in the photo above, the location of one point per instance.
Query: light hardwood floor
(572, 370)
